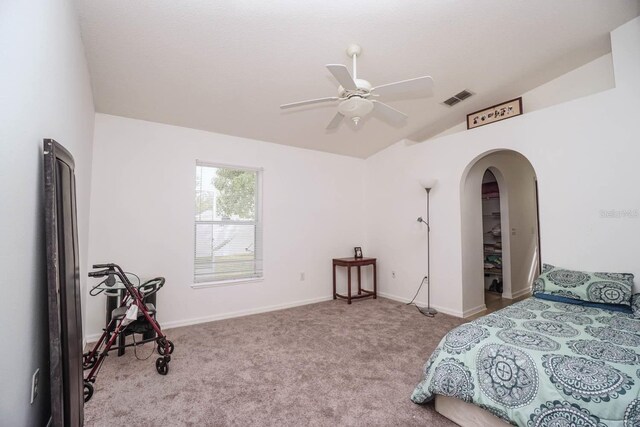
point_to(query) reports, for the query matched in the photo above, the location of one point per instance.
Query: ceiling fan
(356, 96)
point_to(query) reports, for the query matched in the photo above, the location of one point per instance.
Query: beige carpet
(324, 364)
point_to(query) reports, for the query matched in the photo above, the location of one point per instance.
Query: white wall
(593, 77)
(142, 213)
(44, 93)
(584, 153)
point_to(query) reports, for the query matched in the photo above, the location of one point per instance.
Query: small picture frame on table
(357, 251)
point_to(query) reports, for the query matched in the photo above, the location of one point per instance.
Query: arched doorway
(515, 180)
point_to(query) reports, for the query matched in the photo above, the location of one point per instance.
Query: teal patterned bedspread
(542, 364)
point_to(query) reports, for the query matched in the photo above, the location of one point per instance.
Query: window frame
(258, 222)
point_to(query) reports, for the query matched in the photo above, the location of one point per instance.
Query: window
(228, 228)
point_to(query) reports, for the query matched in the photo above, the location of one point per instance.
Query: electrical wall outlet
(393, 274)
(35, 379)
(302, 277)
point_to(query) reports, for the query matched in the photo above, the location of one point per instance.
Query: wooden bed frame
(466, 414)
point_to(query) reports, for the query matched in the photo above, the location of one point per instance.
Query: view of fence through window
(227, 224)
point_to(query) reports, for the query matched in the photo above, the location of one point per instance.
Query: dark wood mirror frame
(63, 280)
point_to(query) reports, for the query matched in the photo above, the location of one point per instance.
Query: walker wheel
(88, 362)
(161, 343)
(88, 391)
(162, 366)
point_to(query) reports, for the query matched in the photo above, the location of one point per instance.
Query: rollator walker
(132, 314)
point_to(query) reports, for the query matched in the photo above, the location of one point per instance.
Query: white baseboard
(440, 309)
(475, 310)
(212, 318)
(91, 339)
(520, 293)
(447, 310)
(394, 297)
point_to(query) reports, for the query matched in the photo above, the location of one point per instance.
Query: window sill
(222, 283)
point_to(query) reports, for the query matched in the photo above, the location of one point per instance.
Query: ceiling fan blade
(343, 76)
(309, 101)
(335, 122)
(388, 113)
(419, 84)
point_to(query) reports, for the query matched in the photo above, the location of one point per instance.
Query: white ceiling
(225, 66)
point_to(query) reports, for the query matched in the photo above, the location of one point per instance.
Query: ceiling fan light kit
(354, 94)
(355, 107)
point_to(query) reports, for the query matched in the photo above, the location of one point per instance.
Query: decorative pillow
(602, 288)
(635, 305)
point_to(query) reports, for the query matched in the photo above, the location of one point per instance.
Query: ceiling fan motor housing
(364, 88)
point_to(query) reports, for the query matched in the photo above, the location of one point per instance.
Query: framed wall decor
(357, 252)
(493, 114)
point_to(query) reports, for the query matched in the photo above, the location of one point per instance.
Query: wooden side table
(355, 262)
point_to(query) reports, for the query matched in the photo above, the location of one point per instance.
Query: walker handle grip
(103, 265)
(100, 273)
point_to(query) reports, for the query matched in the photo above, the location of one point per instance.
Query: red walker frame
(94, 359)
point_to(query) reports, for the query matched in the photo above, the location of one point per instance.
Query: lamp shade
(355, 107)
(428, 183)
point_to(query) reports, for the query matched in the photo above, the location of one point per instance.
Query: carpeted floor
(322, 364)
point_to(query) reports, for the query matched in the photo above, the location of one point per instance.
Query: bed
(538, 363)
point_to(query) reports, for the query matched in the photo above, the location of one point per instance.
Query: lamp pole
(428, 311)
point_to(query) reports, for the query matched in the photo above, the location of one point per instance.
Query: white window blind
(228, 227)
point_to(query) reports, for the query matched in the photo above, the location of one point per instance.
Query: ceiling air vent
(451, 101)
(461, 96)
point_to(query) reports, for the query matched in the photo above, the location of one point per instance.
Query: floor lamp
(428, 186)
